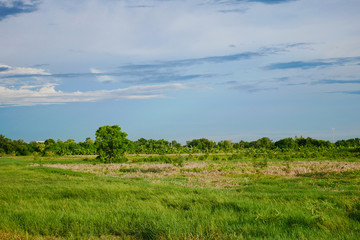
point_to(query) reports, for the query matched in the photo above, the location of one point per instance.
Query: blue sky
(219, 69)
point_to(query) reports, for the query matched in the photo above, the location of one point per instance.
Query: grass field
(69, 198)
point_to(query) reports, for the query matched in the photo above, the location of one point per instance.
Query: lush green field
(158, 202)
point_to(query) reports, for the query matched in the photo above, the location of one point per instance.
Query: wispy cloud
(25, 86)
(167, 77)
(270, 1)
(157, 72)
(150, 73)
(265, 51)
(282, 79)
(14, 7)
(298, 64)
(229, 82)
(101, 77)
(21, 76)
(353, 92)
(47, 94)
(313, 64)
(332, 81)
(234, 10)
(194, 61)
(259, 1)
(251, 88)
(130, 77)
(6, 70)
(141, 6)
(241, 6)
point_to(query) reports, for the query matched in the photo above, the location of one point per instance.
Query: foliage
(286, 143)
(111, 144)
(263, 147)
(203, 144)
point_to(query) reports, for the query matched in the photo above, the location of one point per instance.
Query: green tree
(111, 144)
(49, 142)
(264, 143)
(225, 145)
(286, 143)
(202, 144)
(175, 144)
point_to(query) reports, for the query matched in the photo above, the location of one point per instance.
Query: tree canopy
(111, 143)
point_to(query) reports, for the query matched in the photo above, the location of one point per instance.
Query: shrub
(179, 161)
(49, 153)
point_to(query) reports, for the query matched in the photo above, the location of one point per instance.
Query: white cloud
(47, 94)
(94, 29)
(10, 3)
(9, 70)
(102, 78)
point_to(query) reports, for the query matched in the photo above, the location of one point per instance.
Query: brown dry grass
(16, 236)
(7, 235)
(217, 175)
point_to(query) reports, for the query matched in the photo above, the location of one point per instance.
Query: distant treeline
(50, 147)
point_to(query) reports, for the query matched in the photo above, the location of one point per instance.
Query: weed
(196, 170)
(128, 170)
(260, 164)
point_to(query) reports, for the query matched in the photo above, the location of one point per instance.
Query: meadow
(179, 197)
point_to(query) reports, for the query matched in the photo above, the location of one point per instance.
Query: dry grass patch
(217, 175)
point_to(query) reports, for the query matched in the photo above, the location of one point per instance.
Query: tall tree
(111, 143)
(286, 143)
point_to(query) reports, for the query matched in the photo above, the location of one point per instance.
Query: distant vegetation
(264, 145)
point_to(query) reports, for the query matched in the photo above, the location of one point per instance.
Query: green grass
(41, 202)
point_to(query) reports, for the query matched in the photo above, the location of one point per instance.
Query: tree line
(50, 147)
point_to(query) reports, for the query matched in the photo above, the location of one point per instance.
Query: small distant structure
(40, 141)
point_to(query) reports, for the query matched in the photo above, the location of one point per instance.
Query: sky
(180, 69)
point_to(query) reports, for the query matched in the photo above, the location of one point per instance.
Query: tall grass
(43, 202)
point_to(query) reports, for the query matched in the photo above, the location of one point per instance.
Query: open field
(69, 198)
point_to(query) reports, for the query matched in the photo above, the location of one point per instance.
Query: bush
(204, 157)
(179, 161)
(49, 153)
